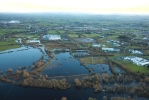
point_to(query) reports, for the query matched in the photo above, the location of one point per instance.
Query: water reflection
(19, 58)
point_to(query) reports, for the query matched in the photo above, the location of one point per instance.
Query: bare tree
(25, 74)
(77, 82)
(105, 98)
(10, 70)
(63, 98)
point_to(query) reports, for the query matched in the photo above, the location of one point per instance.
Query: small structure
(33, 41)
(51, 37)
(14, 21)
(135, 51)
(111, 49)
(145, 38)
(96, 45)
(116, 44)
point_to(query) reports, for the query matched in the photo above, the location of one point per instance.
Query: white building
(137, 60)
(96, 45)
(135, 52)
(33, 41)
(111, 49)
(51, 37)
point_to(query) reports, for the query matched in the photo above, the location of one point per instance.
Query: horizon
(76, 13)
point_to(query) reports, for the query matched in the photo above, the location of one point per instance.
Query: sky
(85, 6)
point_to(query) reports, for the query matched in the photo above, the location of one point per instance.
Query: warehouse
(51, 37)
(137, 60)
(111, 49)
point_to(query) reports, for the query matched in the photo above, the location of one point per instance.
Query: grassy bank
(8, 43)
(6, 47)
(134, 67)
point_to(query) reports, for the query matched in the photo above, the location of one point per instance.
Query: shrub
(63, 98)
(105, 98)
(25, 74)
(18, 72)
(77, 82)
(9, 70)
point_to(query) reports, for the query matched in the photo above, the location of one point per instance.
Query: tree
(18, 72)
(10, 70)
(77, 82)
(63, 98)
(105, 98)
(147, 79)
(25, 74)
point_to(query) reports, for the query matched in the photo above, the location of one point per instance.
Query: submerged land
(108, 53)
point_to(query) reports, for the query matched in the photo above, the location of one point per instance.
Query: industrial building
(135, 51)
(137, 60)
(33, 41)
(96, 45)
(51, 37)
(111, 49)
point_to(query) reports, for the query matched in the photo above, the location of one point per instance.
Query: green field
(6, 47)
(29, 36)
(61, 31)
(91, 35)
(73, 35)
(8, 43)
(135, 68)
(17, 30)
(52, 32)
(5, 31)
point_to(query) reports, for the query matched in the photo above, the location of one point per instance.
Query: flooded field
(80, 81)
(22, 57)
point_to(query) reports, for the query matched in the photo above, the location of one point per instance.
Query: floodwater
(63, 64)
(12, 92)
(100, 68)
(21, 57)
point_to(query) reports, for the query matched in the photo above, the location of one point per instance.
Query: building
(137, 60)
(111, 49)
(96, 45)
(33, 41)
(51, 37)
(135, 51)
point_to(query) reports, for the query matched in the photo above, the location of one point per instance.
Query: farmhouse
(51, 37)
